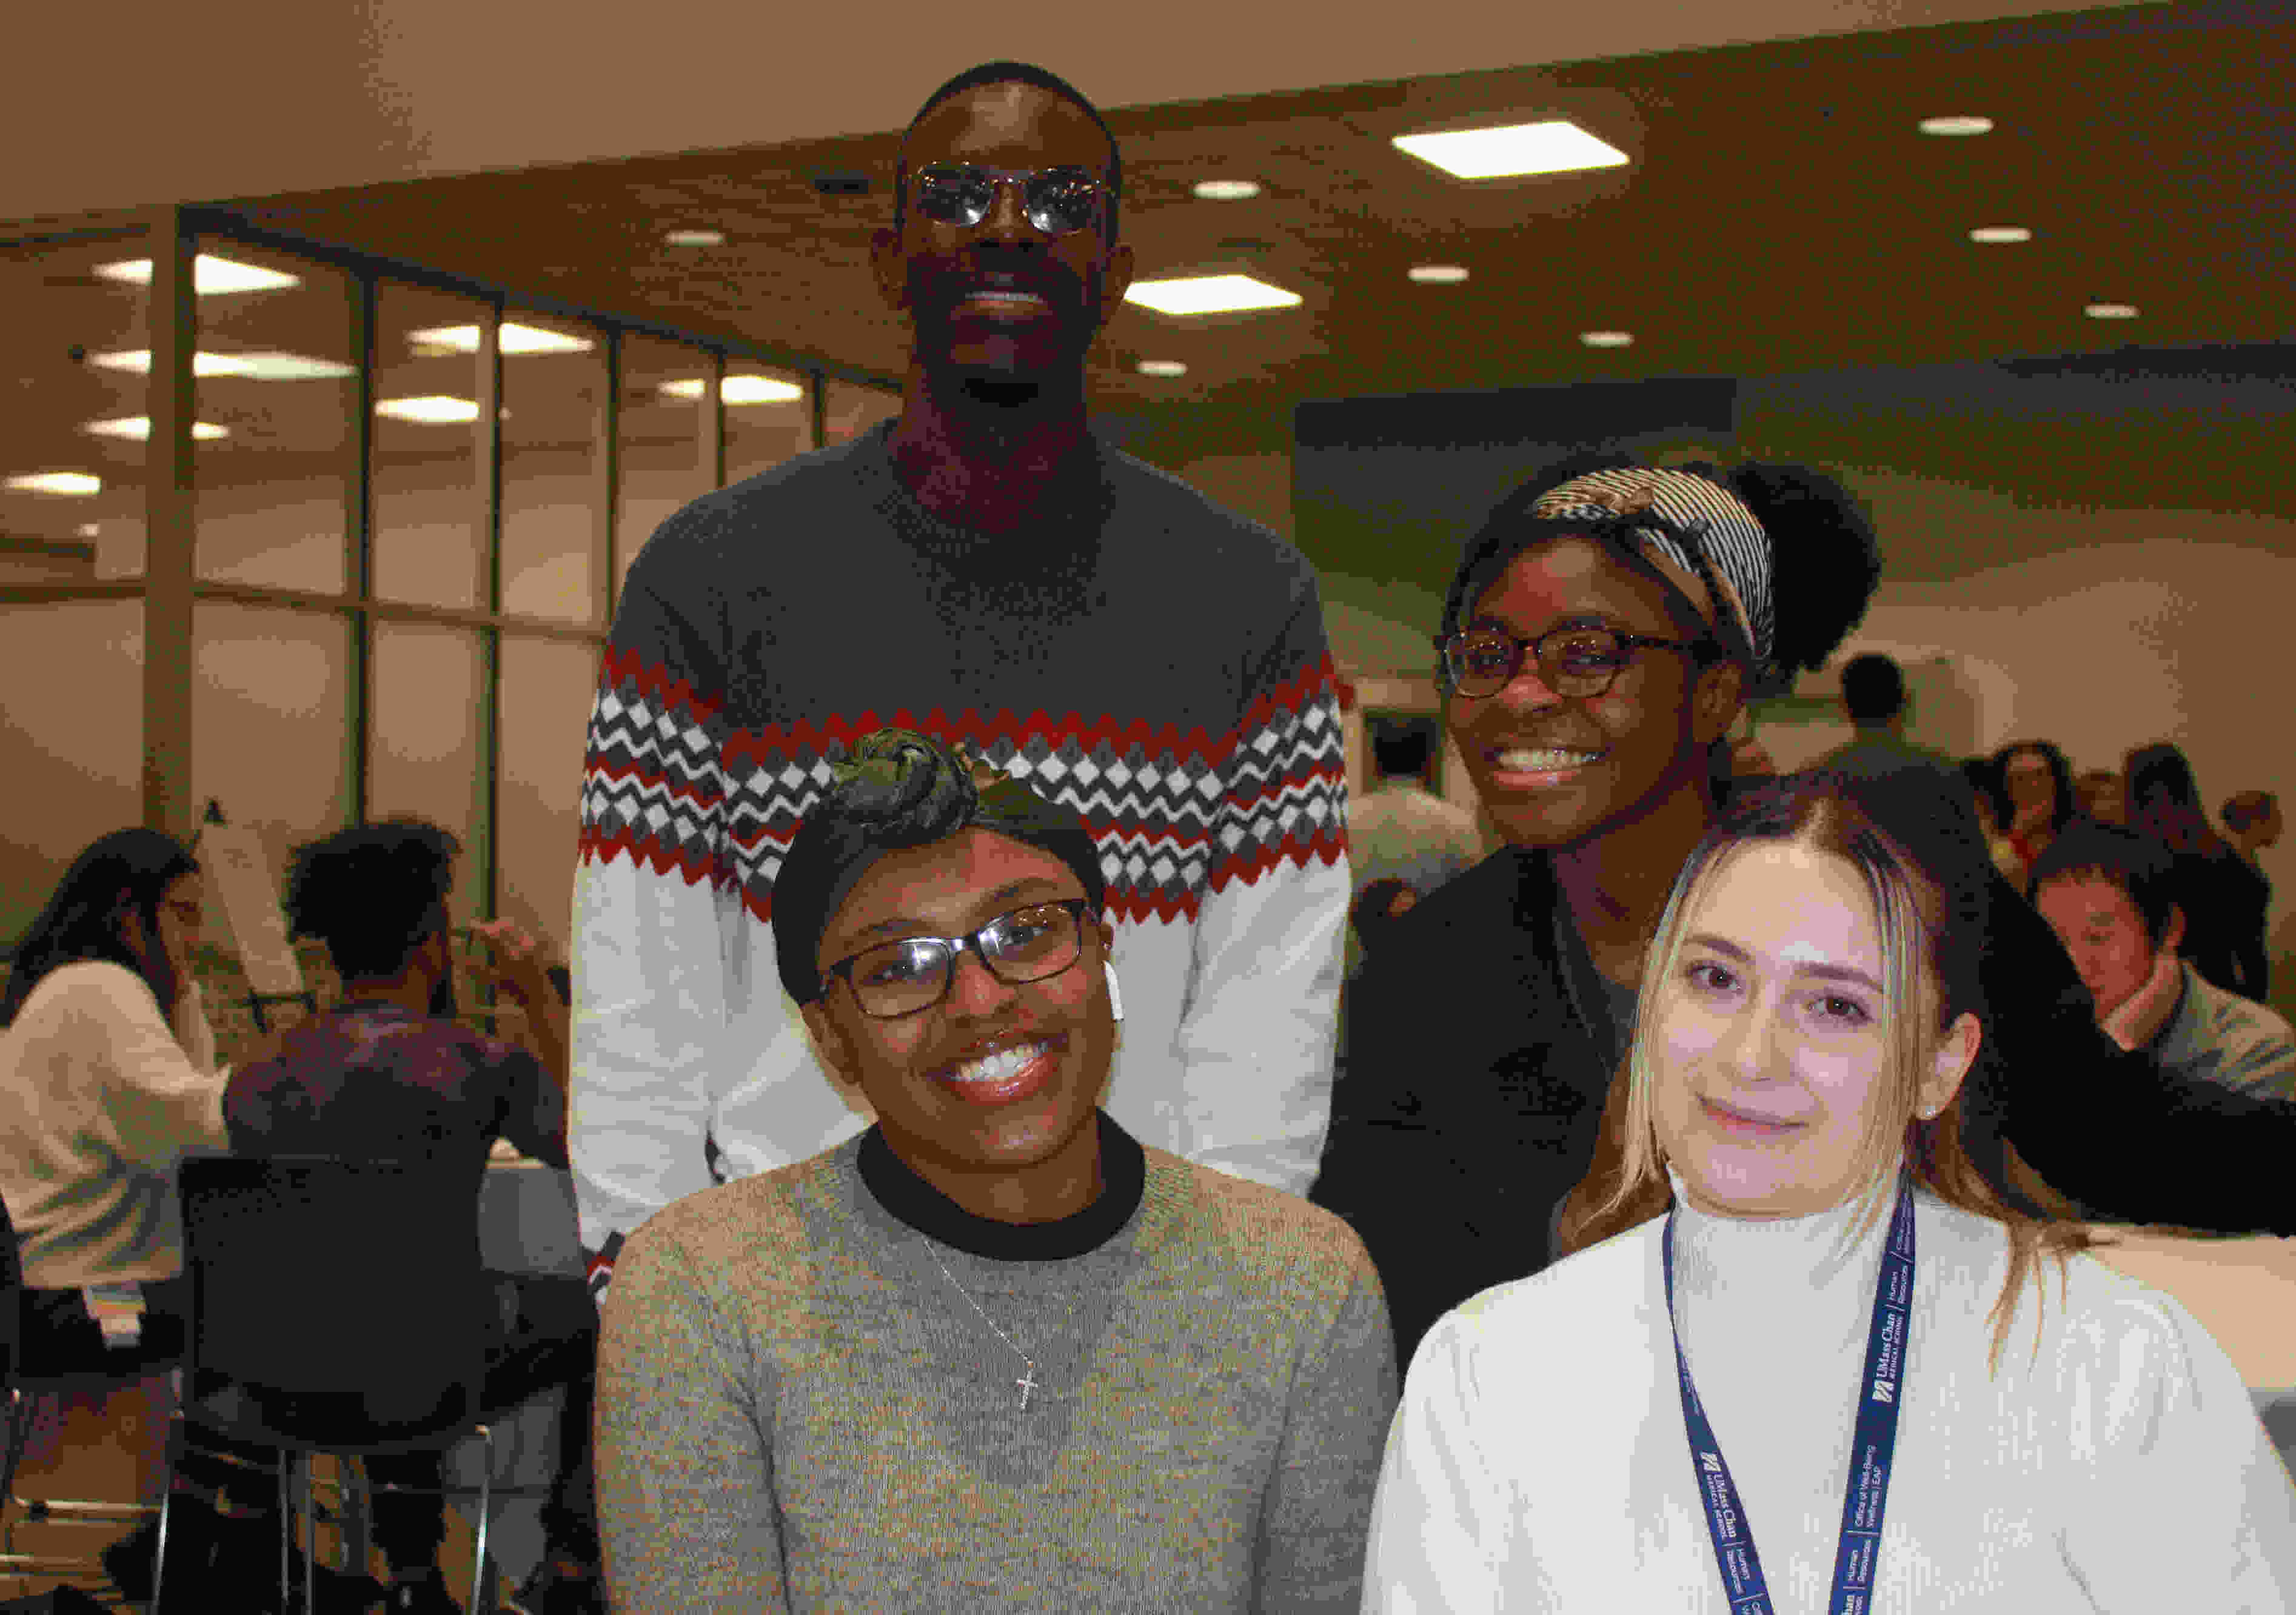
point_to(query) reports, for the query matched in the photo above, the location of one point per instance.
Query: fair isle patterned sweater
(1138, 652)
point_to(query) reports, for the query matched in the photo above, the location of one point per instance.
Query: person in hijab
(1778, 1373)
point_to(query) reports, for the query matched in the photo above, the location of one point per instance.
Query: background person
(2252, 820)
(1084, 620)
(108, 1080)
(2103, 796)
(2223, 896)
(994, 1353)
(388, 1073)
(2039, 784)
(2110, 897)
(1826, 1309)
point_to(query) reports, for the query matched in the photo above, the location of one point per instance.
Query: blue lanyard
(1859, 1555)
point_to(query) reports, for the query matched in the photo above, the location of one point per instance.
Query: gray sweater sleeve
(687, 1512)
(1317, 1521)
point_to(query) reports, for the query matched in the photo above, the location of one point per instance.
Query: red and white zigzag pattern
(672, 786)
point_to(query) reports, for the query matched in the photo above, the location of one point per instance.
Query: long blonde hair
(1930, 946)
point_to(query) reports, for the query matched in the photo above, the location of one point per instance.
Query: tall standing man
(982, 570)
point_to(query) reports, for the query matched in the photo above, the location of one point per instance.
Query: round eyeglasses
(1572, 661)
(1057, 200)
(912, 974)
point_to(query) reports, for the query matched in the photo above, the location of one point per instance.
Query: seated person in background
(2222, 895)
(993, 1353)
(107, 1081)
(1399, 830)
(2110, 897)
(1984, 783)
(388, 1074)
(2104, 797)
(1790, 1282)
(2251, 821)
(1377, 905)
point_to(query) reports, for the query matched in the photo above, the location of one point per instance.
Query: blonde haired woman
(1794, 1390)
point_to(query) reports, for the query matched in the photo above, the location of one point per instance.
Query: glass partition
(768, 419)
(270, 718)
(277, 383)
(662, 441)
(71, 741)
(547, 686)
(553, 382)
(426, 756)
(429, 512)
(75, 361)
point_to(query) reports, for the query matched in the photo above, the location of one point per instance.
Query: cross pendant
(1026, 1383)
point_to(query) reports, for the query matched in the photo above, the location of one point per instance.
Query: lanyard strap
(1859, 1553)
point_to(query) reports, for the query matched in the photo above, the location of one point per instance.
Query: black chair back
(11, 1304)
(343, 1301)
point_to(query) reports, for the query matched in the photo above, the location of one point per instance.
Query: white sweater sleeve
(2187, 1506)
(1256, 1032)
(1441, 1522)
(158, 1102)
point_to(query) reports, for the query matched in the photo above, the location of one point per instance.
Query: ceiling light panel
(137, 429)
(1957, 125)
(1162, 367)
(515, 339)
(1210, 294)
(75, 484)
(263, 366)
(1553, 147)
(1227, 190)
(431, 409)
(209, 275)
(738, 390)
(2111, 311)
(2000, 235)
(1607, 339)
(1438, 275)
(696, 238)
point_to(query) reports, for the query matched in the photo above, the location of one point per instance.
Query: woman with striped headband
(1605, 627)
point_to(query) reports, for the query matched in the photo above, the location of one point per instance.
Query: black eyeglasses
(1572, 661)
(1057, 200)
(903, 978)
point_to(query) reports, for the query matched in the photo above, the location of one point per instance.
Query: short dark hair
(373, 893)
(1873, 689)
(2139, 865)
(1009, 72)
(82, 919)
(2244, 810)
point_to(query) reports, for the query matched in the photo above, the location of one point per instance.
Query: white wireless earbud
(1115, 995)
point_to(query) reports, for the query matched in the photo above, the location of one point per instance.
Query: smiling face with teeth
(1001, 302)
(1556, 772)
(991, 1095)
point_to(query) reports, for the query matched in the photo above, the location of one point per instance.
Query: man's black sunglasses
(1057, 200)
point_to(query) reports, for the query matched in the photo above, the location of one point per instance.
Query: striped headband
(1732, 550)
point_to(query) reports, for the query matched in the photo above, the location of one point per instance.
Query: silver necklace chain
(1028, 1383)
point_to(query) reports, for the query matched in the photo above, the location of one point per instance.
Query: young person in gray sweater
(993, 1353)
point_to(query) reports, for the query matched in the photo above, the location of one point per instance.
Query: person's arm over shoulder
(1318, 1508)
(649, 976)
(1442, 1522)
(686, 1509)
(2108, 1126)
(1255, 1038)
(157, 1101)
(2181, 1501)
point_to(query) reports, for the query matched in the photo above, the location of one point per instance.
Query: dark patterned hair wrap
(896, 790)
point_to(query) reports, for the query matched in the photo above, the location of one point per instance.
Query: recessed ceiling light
(1162, 367)
(209, 274)
(1227, 190)
(1438, 274)
(1553, 147)
(1607, 339)
(515, 339)
(1958, 125)
(266, 366)
(2111, 311)
(1996, 235)
(1208, 294)
(85, 529)
(696, 238)
(432, 409)
(79, 484)
(739, 390)
(138, 429)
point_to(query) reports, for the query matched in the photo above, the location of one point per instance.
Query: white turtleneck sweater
(1538, 1460)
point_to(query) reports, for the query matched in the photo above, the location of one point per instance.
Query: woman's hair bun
(1826, 558)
